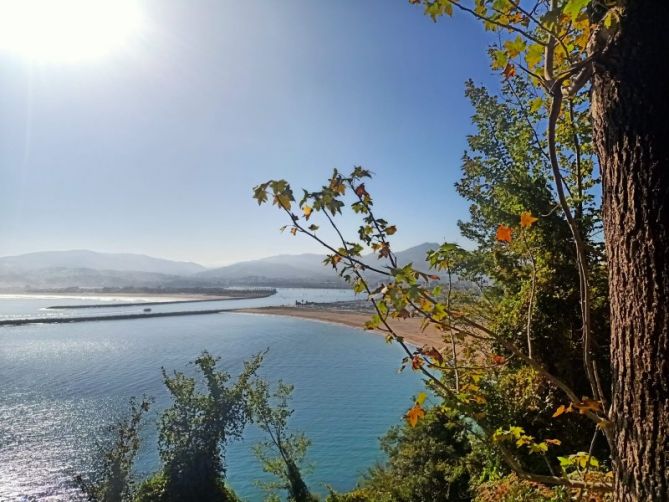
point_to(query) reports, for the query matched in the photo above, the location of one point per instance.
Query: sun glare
(67, 30)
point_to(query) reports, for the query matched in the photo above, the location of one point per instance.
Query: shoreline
(409, 329)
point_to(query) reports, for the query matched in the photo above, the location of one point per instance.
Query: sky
(155, 146)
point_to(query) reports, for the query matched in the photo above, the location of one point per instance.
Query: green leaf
(499, 59)
(534, 55)
(260, 193)
(536, 104)
(574, 7)
(439, 8)
(283, 200)
(514, 47)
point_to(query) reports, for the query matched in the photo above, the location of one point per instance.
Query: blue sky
(155, 148)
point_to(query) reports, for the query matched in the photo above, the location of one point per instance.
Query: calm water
(20, 306)
(59, 384)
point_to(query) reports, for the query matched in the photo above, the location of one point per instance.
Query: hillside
(304, 269)
(85, 259)
(90, 269)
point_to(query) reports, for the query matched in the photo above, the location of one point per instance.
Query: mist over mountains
(95, 270)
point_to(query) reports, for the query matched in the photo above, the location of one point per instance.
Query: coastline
(410, 329)
(332, 313)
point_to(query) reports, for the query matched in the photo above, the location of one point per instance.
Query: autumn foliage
(524, 314)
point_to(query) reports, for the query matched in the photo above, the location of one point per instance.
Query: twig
(587, 463)
(496, 23)
(532, 293)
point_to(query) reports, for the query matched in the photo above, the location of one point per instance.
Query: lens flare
(69, 31)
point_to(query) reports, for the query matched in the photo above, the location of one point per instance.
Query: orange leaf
(555, 442)
(434, 354)
(587, 404)
(509, 70)
(561, 409)
(416, 362)
(360, 190)
(293, 230)
(414, 414)
(526, 219)
(503, 233)
(497, 359)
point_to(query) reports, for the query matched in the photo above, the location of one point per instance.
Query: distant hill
(61, 277)
(84, 259)
(90, 269)
(303, 269)
(282, 270)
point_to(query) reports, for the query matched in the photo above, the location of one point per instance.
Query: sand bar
(410, 329)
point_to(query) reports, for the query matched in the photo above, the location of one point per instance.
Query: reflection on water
(60, 384)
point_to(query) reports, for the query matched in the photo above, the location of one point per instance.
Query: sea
(62, 385)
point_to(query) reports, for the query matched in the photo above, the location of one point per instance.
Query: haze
(154, 149)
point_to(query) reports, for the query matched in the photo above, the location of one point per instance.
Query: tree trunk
(630, 108)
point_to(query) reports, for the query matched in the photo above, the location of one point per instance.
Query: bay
(60, 384)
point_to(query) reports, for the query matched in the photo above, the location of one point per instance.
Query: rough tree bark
(630, 108)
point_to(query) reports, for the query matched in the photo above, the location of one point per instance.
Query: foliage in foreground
(426, 462)
(113, 480)
(206, 414)
(193, 432)
(523, 362)
(283, 453)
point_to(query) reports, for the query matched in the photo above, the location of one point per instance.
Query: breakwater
(263, 294)
(111, 317)
(139, 304)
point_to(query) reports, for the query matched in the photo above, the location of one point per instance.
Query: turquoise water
(59, 385)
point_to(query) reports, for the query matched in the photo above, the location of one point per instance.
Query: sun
(53, 31)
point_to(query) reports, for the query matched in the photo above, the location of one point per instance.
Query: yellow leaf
(293, 230)
(420, 398)
(307, 210)
(526, 219)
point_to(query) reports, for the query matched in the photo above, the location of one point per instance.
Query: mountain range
(91, 269)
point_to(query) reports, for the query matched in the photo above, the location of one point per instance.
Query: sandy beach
(408, 328)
